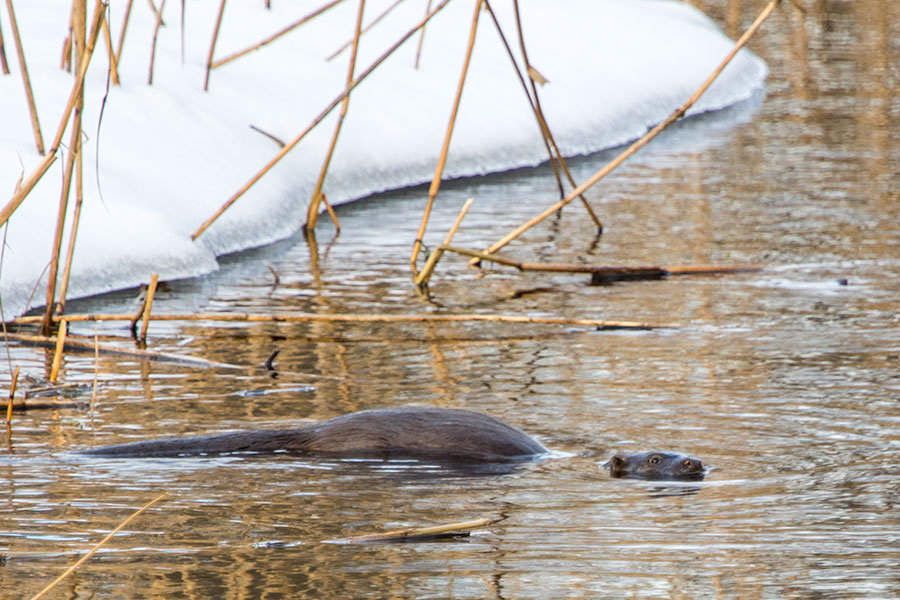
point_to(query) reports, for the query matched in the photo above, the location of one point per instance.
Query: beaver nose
(692, 464)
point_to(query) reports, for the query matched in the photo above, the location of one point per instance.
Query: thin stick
(212, 46)
(4, 66)
(333, 318)
(113, 65)
(331, 213)
(32, 108)
(542, 121)
(442, 159)
(268, 135)
(421, 38)
(124, 29)
(414, 532)
(79, 18)
(148, 304)
(423, 277)
(57, 356)
(159, 21)
(605, 273)
(96, 372)
(612, 165)
(315, 122)
(76, 220)
(273, 37)
(70, 344)
(312, 213)
(84, 558)
(347, 44)
(48, 160)
(12, 393)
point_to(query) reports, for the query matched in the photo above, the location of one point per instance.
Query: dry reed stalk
(335, 318)
(412, 533)
(148, 304)
(637, 145)
(113, 65)
(442, 159)
(76, 219)
(533, 77)
(273, 37)
(423, 277)
(421, 38)
(12, 393)
(544, 138)
(89, 554)
(212, 45)
(159, 21)
(96, 373)
(606, 273)
(79, 18)
(4, 65)
(122, 34)
(78, 345)
(331, 213)
(153, 9)
(57, 356)
(325, 112)
(312, 213)
(347, 44)
(66, 58)
(48, 160)
(20, 52)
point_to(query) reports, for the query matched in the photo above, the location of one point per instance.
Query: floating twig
(70, 344)
(442, 159)
(637, 145)
(84, 558)
(269, 365)
(605, 274)
(337, 318)
(416, 533)
(32, 108)
(423, 277)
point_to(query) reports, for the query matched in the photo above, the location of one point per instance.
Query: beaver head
(655, 465)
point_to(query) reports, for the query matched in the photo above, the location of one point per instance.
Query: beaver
(407, 432)
(655, 465)
(444, 435)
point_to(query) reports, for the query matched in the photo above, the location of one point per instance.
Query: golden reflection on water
(786, 382)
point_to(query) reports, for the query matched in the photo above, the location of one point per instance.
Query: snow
(170, 154)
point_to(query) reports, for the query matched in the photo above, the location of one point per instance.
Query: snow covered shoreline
(170, 154)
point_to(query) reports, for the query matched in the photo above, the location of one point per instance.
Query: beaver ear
(617, 463)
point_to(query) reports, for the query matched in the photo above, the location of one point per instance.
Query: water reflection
(785, 380)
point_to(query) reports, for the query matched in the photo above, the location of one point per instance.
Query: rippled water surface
(785, 381)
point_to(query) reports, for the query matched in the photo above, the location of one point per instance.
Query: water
(785, 381)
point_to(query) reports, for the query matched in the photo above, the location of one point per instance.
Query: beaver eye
(687, 462)
(654, 460)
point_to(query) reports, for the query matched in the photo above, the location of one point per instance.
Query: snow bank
(168, 155)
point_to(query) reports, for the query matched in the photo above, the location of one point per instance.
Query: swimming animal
(655, 465)
(439, 434)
